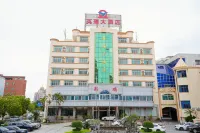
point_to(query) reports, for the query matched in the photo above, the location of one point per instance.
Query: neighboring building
(2, 84)
(40, 94)
(173, 89)
(15, 85)
(103, 72)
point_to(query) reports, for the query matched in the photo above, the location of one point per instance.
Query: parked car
(116, 123)
(195, 128)
(91, 122)
(22, 125)
(34, 124)
(17, 129)
(108, 118)
(156, 127)
(183, 126)
(5, 130)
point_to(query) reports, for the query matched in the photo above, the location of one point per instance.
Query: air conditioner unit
(141, 51)
(143, 73)
(63, 60)
(142, 61)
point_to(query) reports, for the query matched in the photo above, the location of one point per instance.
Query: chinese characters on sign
(103, 20)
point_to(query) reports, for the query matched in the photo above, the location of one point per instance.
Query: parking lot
(63, 127)
(54, 128)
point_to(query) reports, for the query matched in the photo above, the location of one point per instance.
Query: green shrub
(77, 125)
(61, 117)
(147, 125)
(123, 115)
(86, 125)
(189, 118)
(150, 118)
(158, 132)
(2, 122)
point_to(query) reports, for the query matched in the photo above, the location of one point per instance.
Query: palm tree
(59, 99)
(43, 100)
(189, 112)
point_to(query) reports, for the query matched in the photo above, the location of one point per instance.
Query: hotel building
(102, 72)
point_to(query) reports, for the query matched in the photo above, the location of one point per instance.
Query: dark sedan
(17, 129)
(22, 125)
(195, 128)
(5, 130)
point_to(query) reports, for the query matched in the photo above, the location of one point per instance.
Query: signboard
(103, 19)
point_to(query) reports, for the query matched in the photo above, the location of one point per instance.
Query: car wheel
(181, 129)
(194, 131)
(157, 130)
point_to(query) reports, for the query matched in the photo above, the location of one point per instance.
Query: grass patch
(82, 131)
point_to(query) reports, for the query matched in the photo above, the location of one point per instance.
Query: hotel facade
(102, 71)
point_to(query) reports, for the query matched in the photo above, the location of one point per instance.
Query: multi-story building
(178, 78)
(40, 94)
(2, 84)
(15, 85)
(103, 71)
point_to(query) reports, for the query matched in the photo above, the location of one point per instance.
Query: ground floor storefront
(99, 112)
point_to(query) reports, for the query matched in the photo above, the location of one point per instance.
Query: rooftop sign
(103, 19)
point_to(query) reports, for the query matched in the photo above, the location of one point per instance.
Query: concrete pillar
(93, 112)
(98, 113)
(117, 112)
(74, 112)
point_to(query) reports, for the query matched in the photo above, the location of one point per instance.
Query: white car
(157, 127)
(108, 118)
(183, 126)
(116, 123)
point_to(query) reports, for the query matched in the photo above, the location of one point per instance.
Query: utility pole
(65, 35)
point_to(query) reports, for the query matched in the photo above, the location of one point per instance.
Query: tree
(147, 125)
(43, 100)
(3, 103)
(190, 116)
(78, 125)
(14, 107)
(130, 123)
(59, 99)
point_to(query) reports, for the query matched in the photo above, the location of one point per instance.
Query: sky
(26, 27)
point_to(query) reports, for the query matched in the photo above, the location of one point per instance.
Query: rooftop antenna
(65, 34)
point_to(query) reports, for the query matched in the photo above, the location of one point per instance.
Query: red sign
(114, 89)
(103, 21)
(95, 88)
(103, 14)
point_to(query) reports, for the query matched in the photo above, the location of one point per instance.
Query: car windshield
(3, 129)
(16, 128)
(28, 122)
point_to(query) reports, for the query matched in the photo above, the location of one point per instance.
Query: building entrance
(169, 113)
(104, 111)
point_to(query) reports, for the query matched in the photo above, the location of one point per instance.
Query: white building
(2, 85)
(40, 94)
(102, 72)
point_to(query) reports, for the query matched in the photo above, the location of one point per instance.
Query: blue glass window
(129, 98)
(56, 70)
(83, 39)
(70, 97)
(123, 61)
(136, 98)
(136, 61)
(57, 48)
(168, 97)
(57, 59)
(147, 61)
(69, 60)
(181, 74)
(84, 97)
(137, 83)
(136, 72)
(84, 49)
(183, 88)
(122, 50)
(77, 97)
(146, 51)
(124, 83)
(123, 72)
(55, 82)
(185, 104)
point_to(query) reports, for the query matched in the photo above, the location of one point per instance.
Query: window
(114, 97)
(57, 59)
(66, 112)
(69, 60)
(57, 48)
(123, 61)
(77, 97)
(160, 67)
(123, 72)
(124, 83)
(136, 72)
(136, 61)
(185, 104)
(136, 98)
(83, 71)
(68, 83)
(122, 40)
(69, 49)
(150, 84)
(69, 71)
(56, 70)
(168, 97)
(197, 62)
(70, 97)
(122, 50)
(183, 88)
(83, 39)
(148, 73)
(146, 51)
(84, 97)
(149, 98)
(55, 82)
(135, 50)
(82, 83)
(181, 74)
(137, 83)
(84, 49)
(143, 98)
(147, 61)
(83, 60)
(129, 98)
